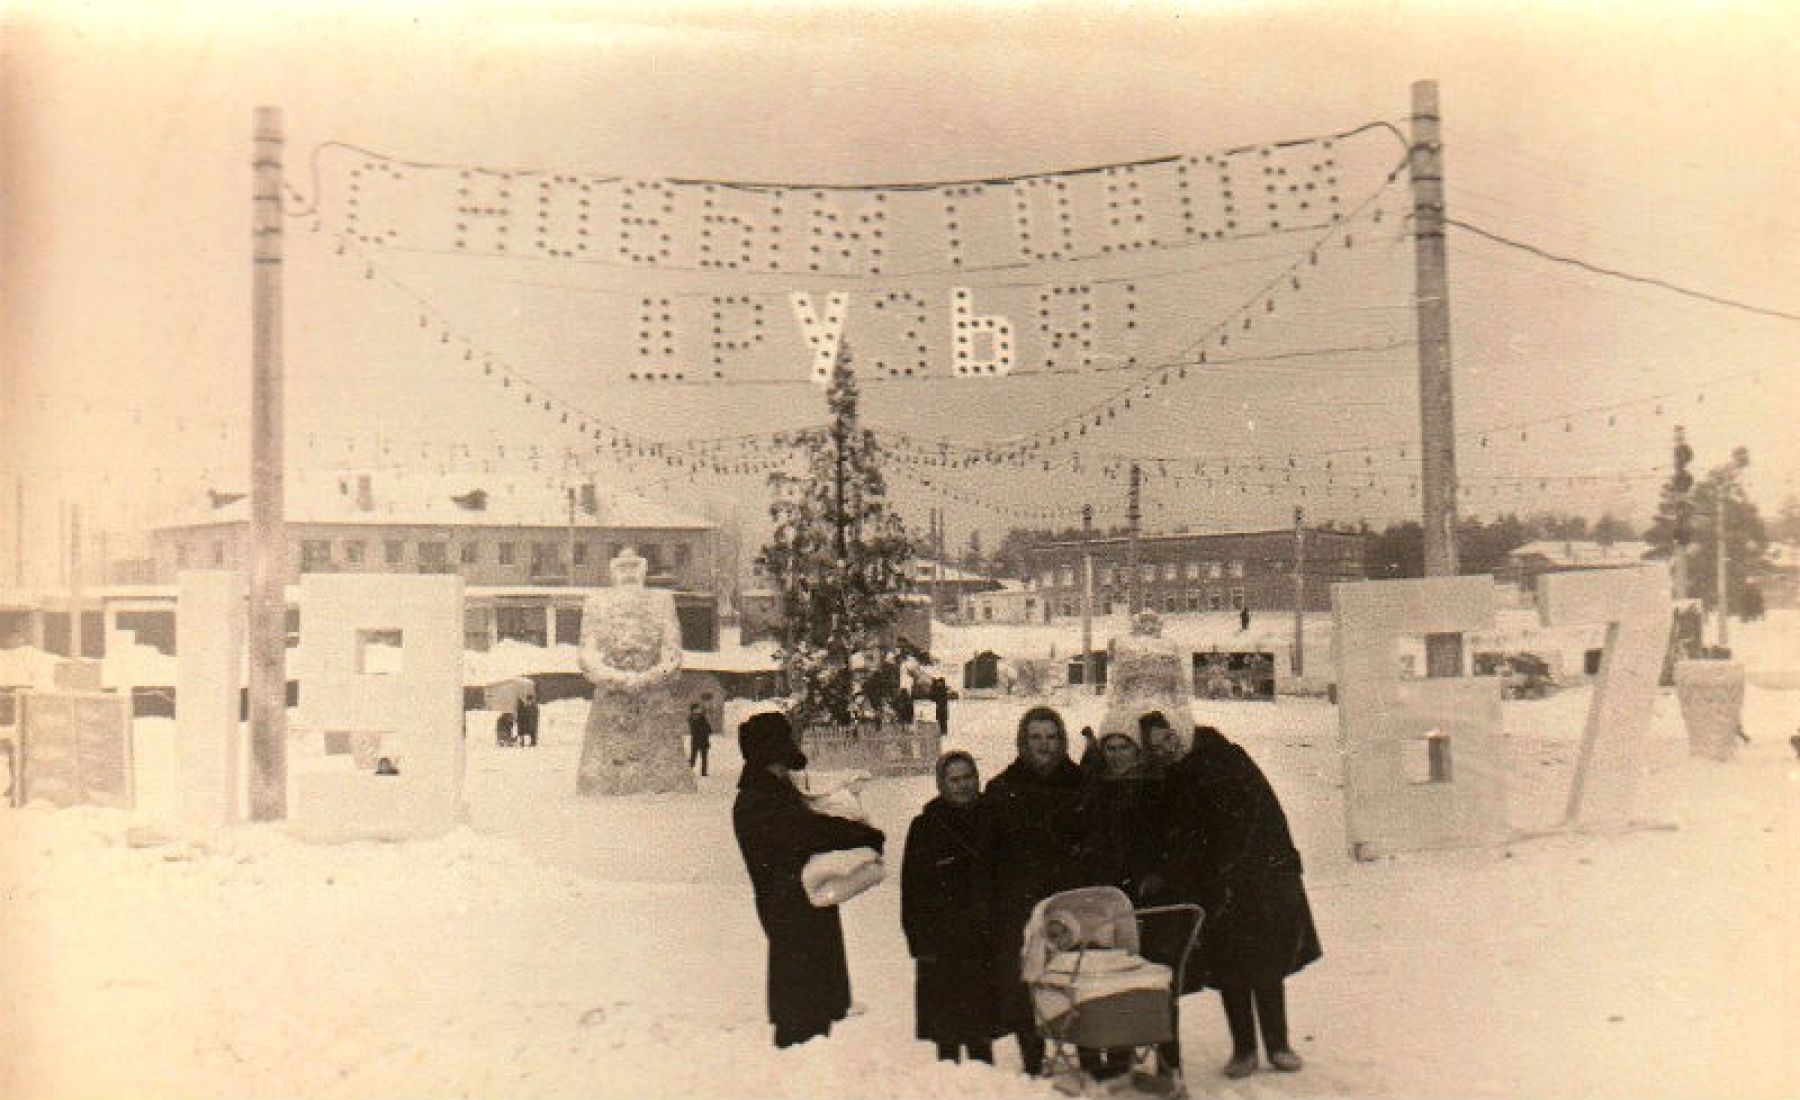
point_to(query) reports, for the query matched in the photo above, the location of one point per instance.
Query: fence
(883, 749)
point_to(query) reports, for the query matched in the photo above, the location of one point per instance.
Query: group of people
(1166, 812)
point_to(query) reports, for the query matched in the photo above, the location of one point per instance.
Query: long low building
(1251, 570)
(526, 534)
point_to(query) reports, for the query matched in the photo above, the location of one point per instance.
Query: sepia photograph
(833, 549)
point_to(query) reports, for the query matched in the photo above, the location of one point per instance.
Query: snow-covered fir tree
(837, 557)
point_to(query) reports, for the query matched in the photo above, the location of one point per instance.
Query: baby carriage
(1092, 989)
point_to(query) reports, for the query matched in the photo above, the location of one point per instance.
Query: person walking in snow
(1223, 843)
(528, 719)
(777, 832)
(943, 911)
(1031, 830)
(699, 736)
(940, 702)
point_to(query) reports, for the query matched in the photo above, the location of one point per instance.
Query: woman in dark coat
(943, 910)
(1031, 816)
(809, 979)
(1114, 849)
(1224, 843)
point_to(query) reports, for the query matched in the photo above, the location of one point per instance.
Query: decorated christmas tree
(838, 559)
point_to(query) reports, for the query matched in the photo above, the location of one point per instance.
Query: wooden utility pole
(1720, 563)
(1299, 592)
(1437, 410)
(1431, 296)
(1136, 600)
(1087, 599)
(570, 489)
(267, 634)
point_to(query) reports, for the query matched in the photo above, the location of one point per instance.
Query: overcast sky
(1655, 139)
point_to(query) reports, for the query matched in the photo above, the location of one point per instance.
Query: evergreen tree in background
(838, 559)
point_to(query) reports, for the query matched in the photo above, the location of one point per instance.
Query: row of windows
(1191, 600)
(1148, 571)
(546, 557)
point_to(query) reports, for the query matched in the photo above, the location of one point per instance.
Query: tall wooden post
(1721, 562)
(1437, 411)
(267, 633)
(1299, 592)
(1136, 589)
(1431, 296)
(1087, 599)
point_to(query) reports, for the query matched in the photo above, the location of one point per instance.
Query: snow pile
(28, 666)
(509, 658)
(565, 946)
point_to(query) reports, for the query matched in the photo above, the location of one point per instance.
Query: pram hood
(1089, 917)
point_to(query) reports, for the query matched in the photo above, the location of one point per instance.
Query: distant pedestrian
(699, 736)
(777, 832)
(943, 910)
(528, 719)
(505, 730)
(940, 701)
(1244, 618)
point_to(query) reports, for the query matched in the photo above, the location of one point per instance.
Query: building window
(1215, 571)
(470, 553)
(1193, 570)
(1172, 602)
(1237, 599)
(683, 554)
(1237, 568)
(653, 557)
(1110, 576)
(395, 552)
(546, 559)
(434, 555)
(1067, 576)
(1193, 600)
(1047, 579)
(315, 555)
(581, 552)
(507, 551)
(1216, 600)
(1147, 572)
(353, 551)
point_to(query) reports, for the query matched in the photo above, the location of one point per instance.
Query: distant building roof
(925, 571)
(1583, 553)
(1196, 536)
(464, 502)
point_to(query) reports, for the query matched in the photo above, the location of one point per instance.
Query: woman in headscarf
(943, 910)
(777, 832)
(1032, 830)
(1225, 844)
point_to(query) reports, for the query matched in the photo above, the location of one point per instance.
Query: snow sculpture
(1146, 672)
(631, 650)
(1424, 764)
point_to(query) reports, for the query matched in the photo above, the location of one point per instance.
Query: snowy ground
(567, 947)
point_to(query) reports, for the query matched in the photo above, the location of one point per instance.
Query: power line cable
(1646, 280)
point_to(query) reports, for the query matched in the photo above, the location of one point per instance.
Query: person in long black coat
(1032, 828)
(1114, 850)
(1224, 843)
(777, 832)
(943, 910)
